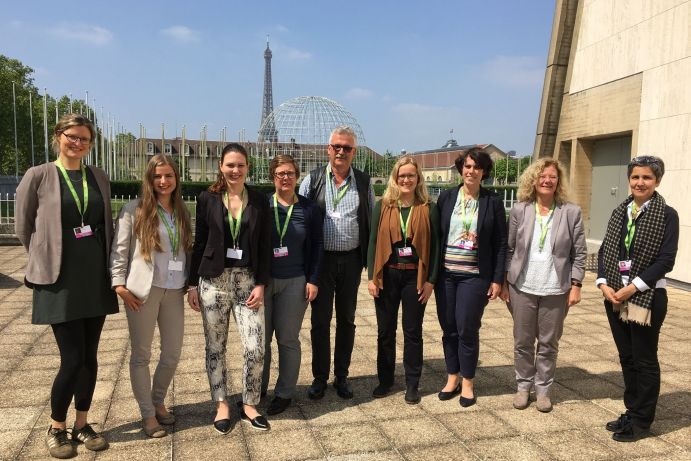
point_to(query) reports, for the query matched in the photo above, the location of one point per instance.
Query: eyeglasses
(286, 174)
(76, 139)
(409, 177)
(337, 147)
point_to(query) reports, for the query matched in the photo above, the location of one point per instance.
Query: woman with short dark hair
(473, 239)
(639, 248)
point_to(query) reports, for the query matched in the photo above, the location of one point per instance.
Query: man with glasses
(345, 196)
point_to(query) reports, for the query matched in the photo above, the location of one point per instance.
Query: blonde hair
(393, 192)
(529, 178)
(68, 121)
(146, 219)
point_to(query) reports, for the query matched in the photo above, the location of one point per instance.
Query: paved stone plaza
(587, 393)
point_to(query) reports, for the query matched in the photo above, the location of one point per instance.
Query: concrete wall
(629, 72)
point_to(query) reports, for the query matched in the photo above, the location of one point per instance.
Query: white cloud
(93, 35)
(293, 54)
(358, 93)
(181, 34)
(515, 71)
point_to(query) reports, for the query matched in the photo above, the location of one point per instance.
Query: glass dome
(303, 126)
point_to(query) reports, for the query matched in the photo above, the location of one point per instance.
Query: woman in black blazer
(231, 264)
(639, 248)
(473, 241)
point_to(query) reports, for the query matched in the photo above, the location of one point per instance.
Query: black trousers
(400, 286)
(339, 279)
(637, 347)
(78, 344)
(461, 301)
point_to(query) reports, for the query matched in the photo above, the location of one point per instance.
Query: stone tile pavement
(587, 393)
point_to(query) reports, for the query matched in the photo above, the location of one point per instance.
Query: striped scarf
(650, 228)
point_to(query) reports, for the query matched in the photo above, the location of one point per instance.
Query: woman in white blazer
(149, 260)
(545, 263)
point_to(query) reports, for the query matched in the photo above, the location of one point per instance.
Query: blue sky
(409, 71)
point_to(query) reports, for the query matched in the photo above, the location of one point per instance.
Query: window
(150, 148)
(167, 149)
(186, 150)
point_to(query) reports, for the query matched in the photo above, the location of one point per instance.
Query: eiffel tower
(268, 131)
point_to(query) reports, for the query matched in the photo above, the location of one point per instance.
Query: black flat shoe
(449, 395)
(466, 402)
(223, 426)
(381, 391)
(343, 388)
(631, 433)
(412, 396)
(316, 390)
(278, 405)
(618, 424)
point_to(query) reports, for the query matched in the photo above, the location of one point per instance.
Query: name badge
(280, 252)
(466, 244)
(234, 253)
(625, 266)
(405, 251)
(334, 214)
(85, 231)
(175, 265)
(539, 256)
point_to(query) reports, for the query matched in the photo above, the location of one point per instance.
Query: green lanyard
(404, 225)
(337, 198)
(74, 192)
(173, 231)
(234, 225)
(467, 220)
(282, 232)
(631, 227)
(544, 225)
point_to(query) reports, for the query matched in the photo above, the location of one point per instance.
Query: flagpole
(16, 150)
(45, 121)
(31, 129)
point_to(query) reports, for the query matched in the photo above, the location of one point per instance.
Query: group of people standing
(264, 259)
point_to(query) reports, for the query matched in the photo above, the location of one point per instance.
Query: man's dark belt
(402, 266)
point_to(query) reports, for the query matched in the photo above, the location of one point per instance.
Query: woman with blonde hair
(545, 264)
(63, 219)
(149, 263)
(403, 261)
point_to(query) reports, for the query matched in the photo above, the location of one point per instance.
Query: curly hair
(392, 192)
(529, 178)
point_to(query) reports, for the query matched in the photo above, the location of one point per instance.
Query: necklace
(71, 173)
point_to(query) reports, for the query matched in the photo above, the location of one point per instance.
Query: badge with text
(405, 251)
(539, 256)
(466, 244)
(234, 253)
(280, 252)
(334, 214)
(175, 265)
(84, 231)
(625, 266)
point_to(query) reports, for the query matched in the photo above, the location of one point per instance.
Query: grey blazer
(567, 236)
(128, 266)
(38, 218)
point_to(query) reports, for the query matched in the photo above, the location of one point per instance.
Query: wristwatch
(576, 283)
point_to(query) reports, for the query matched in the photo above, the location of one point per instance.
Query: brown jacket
(38, 218)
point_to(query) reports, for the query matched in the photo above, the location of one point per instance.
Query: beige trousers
(166, 308)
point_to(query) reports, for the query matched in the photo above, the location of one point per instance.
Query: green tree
(507, 170)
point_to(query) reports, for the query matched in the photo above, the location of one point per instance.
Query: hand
(574, 296)
(504, 295)
(193, 299)
(626, 292)
(311, 291)
(256, 298)
(494, 290)
(131, 301)
(373, 289)
(608, 293)
(425, 293)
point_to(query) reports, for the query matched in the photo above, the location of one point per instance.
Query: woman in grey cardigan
(545, 263)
